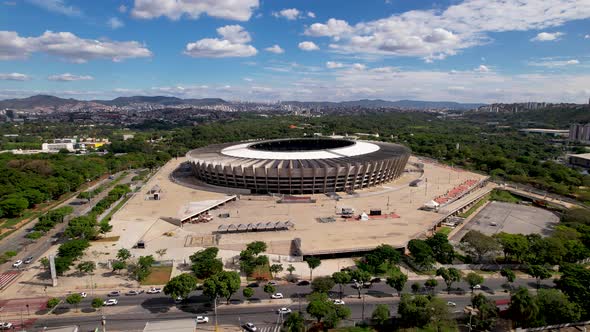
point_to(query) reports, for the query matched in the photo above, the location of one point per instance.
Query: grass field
(444, 230)
(159, 275)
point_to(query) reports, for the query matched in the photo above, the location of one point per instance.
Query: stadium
(299, 165)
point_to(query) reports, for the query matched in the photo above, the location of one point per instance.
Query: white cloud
(358, 66)
(547, 36)
(233, 44)
(311, 14)
(587, 37)
(239, 10)
(14, 77)
(275, 49)
(115, 23)
(289, 13)
(68, 46)
(57, 6)
(334, 65)
(67, 77)
(482, 69)
(553, 63)
(122, 9)
(308, 46)
(248, 79)
(436, 34)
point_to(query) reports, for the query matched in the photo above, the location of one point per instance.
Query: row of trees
(424, 253)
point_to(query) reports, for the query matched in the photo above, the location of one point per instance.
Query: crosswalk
(7, 277)
(269, 328)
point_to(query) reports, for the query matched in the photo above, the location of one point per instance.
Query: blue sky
(263, 50)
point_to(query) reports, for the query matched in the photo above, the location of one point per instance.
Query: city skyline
(465, 51)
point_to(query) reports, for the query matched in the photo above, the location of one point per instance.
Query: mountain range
(47, 102)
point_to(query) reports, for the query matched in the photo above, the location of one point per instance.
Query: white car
(250, 327)
(83, 294)
(284, 311)
(110, 302)
(202, 319)
(5, 325)
(17, 263)
(154, 290)
(451, 304)
(477, 287)
(272, 282)
(339, 302)
(277, 296)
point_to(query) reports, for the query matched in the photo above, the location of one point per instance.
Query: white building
(55, 147)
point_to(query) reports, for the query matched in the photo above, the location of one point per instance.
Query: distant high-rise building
(580, 132)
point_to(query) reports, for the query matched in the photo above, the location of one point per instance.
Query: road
(36, 248)
(132, 312)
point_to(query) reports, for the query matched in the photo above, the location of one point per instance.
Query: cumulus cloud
(288, 13)
(276, 49)
(239, 10)
(122, 9)
(482, 69)
(437, 34)
(57, 6)
(311, 14)
(67, 77)
(115, 23)
(334, 65)
(233, 44)
(68, 46)
(358, 66)
(587, 37)
(308, 46)
(14, 77)
(547, 36)
(553, 63)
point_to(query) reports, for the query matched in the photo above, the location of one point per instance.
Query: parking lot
(511, 218)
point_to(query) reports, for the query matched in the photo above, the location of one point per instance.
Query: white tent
(431, 205)
(364, 217)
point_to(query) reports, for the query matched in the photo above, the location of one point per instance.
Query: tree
(487, 312)
(449, 275)
(206, 263)
(397, 280)
(180, 286)
(361, 277)
(118, 266)
(222, 284)
(320, 307)
(380, 260)
(74, 299)
(312, 263)
(62, 264)
(381, 314)
(250, 258)
(574, 282)
(144, 264)
(513, 245)
(97, 303)
(473, 279)
(248, 292)
(555, 308)
(415, 287)
(479, 245)
(256, 247)
(523, 307)
(13, 206)
(443, 251)
(539, 272)
(290, 269)
(123, 254)
(276, 268)
(341, 278)
(52, 302)
(420, 310)
(431, 284)
(83, 227)
(86, 267)
(161, 252)
(269, 289)
(509, 275)
(295, 322)
(322, 284)
(104, 227)
(422, 253)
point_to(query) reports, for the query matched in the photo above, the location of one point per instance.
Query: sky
(309, 50)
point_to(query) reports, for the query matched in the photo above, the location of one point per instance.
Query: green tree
(86, 267)
(320, 307)
(379, 260)
(74, 299)
(397, 280)
(415, 287)
(123, 254)
(104, 227)
(290, 269)
(513, 245)
(538, 272)
(143, 267)
(84, 227)
(180, 286)
(295, 322)
(14, 206)
(206, 263)
(256, 247)
(312, 263)
(420, 310)
(449, 275)
(276, 268)
(555, 308)
(431, 284)
(479, 245)
(523, 307)
(269, 289)
(161, 252)
(487, 312)
(118, 266)
(322, 284)
(422, 253)
(381, 314)
(574, 282)
(509, 275)
(441, 248)
(473, 279)
(341, 278)
(223, 284)
(97, 303)
(248, 292)
(52, 302)
(361, 277)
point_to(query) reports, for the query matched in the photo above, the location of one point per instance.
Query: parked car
(29, 260)
(17, 263)
(110, 302)
(477, 287)
(250, 327)
(451, 304)
(339, 302)
(83, 294)
(178, 299)
(202, 319)
(277, 296)
(303, 283)
(272, 282)
(284, 311)
(114, 293)
(5, 325)
(134, 292)
(154, 290)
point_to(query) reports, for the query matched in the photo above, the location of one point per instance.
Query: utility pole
(363, 313)
(215, 309)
